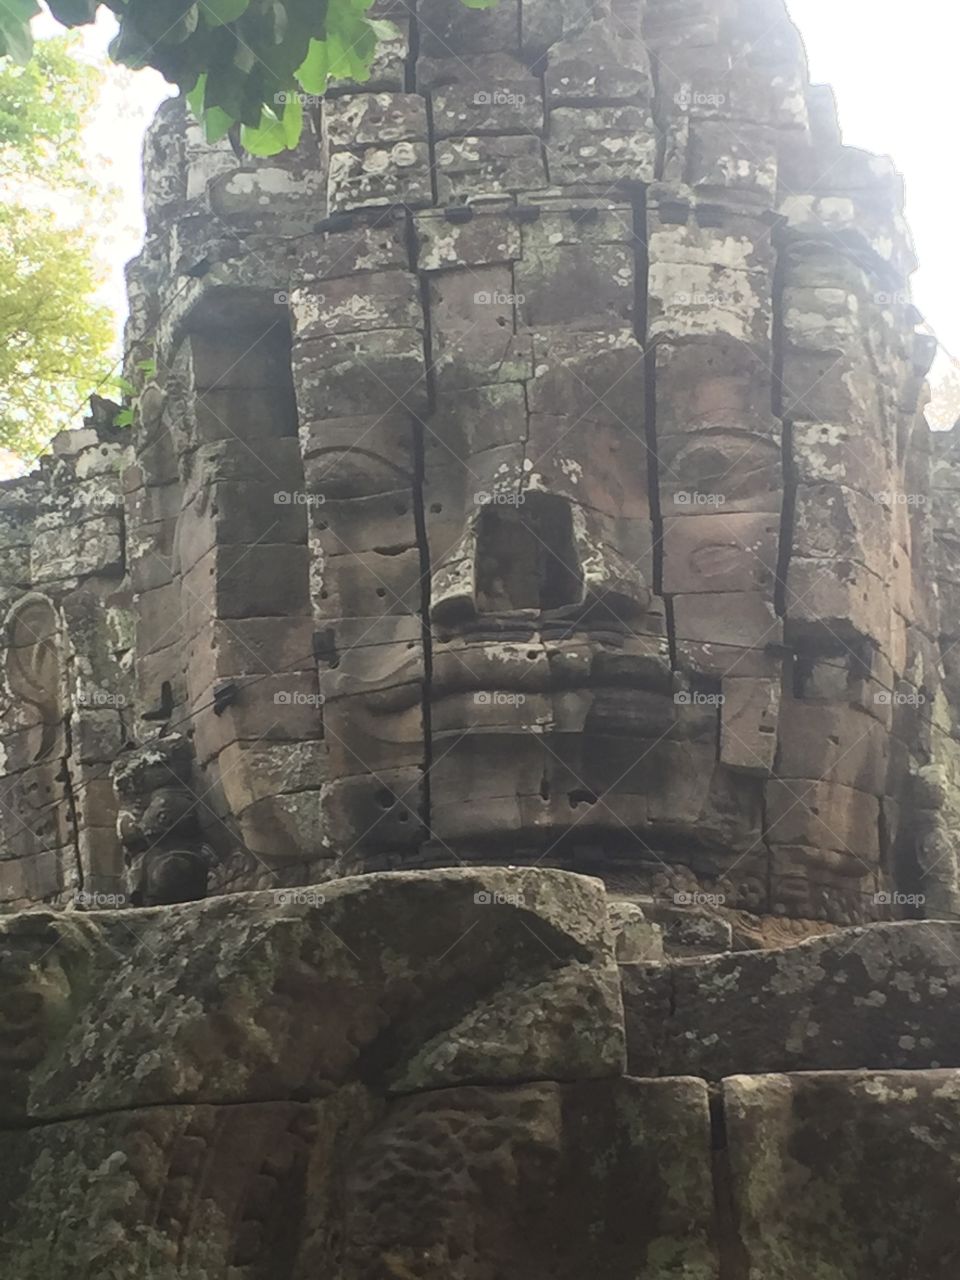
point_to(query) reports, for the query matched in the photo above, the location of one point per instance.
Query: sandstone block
(728, 632)
(720, 553)
(379, 176)
(488, 105)
(601, 145)
(367, 119)
(481, 917)
(748, 724)
(486, 239)
(479, 165)
(828, 1142)
(357, 304)
(872, 998)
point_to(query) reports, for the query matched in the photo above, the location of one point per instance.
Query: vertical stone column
(361, 382)
(859, 484)
(66, 699)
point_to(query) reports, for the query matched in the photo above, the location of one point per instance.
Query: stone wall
(446, 1075)
(535, 470)
(65, 670)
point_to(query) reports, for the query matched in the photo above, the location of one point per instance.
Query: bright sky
(894, 73)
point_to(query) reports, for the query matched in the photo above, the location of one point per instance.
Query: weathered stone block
(720, 553)
(269, 580)
(373, 119)
(601, 145)
(478, 165)
(534, 1184)
(590, 377)
(719, 471)
(354, 945)
(333, 377)
(447, 32)
(837, 599)
(741, 159)
(379, 176)
(577, 268)
(748, 724)
(693, 301)
(850, 1173)
(870, 998)
(826, 815)
(712, 383)
(473, 340)
(839, 743)
(359, 303)
(832, 521)
(487, 238)
(730, 631)
(512, 104)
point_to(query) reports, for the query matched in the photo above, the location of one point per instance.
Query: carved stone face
(499, 679)
(530, 506)
(165, 860)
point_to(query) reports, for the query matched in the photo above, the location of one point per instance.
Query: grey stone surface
(406, 980)
(884, 997)
(847, 1176)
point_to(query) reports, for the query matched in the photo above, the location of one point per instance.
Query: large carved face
(571, 475)
(498, 679)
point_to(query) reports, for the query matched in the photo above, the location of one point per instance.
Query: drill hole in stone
(581, 795)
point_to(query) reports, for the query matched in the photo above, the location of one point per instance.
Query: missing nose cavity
(526, 557)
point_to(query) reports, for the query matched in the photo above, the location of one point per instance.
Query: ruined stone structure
(529, 475)
(530, 468)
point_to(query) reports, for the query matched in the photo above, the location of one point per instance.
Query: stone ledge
(885, 997)
(402, 980)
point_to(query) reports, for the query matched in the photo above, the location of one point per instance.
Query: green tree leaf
(15, 38)
(275, 134)
(232, 58)
(74, 13)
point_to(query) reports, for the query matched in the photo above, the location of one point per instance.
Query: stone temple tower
(529, 477)
(529, 469)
